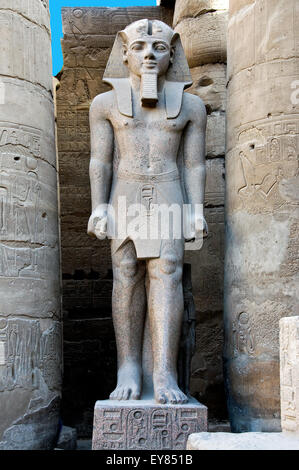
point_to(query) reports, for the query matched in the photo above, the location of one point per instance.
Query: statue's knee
(128, 269)
(168, 264)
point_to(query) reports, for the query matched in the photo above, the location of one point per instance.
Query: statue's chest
(148, 124)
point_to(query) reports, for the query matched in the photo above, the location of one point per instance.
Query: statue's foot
(167, 390)
(128, 383)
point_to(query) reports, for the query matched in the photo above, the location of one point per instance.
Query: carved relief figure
(156, 132)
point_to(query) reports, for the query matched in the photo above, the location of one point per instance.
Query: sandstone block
(145, 425)
(31, 376)
(204, 38)
(215, 182)
(288, 439)
(244, 441)
(289, 374)
(30, 332)
(207, 264)
(36, 11)
(27, 118)
(33, 65)
(274, 33)
(67, 439)
(209, 83)
(91, 20)
(215, 135)
(261, 196)
(193, 8)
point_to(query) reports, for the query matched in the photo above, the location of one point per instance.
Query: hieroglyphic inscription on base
(289, 373)
(146, 425)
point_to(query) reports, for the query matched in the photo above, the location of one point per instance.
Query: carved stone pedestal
(146, 425)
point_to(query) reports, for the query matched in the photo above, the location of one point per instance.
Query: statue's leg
(128, 312)
(166, 307)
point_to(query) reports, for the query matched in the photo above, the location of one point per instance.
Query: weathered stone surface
(30, 333)
(207, 282)
(31, 376)
(89, 368)
(289, 374)
(243, 441)
(215, 137)
(209, 83)
(67, 439)
(108, 21)
(289, 438)
(145, 425)
(33, 65)
(193, 8)
(204, 38)
(261, 199)
(36, 11)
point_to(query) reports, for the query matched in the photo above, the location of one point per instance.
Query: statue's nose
(149, 53)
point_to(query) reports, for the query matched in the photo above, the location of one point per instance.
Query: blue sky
(56, 25)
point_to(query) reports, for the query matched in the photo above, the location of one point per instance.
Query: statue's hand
(97, 224)
(202, 232)
(199, 229)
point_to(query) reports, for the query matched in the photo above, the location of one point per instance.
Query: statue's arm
(101, 163)
(194, 151)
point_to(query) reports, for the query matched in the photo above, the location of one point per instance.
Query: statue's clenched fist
(97, 224)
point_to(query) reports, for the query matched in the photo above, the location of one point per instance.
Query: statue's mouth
(150, 63)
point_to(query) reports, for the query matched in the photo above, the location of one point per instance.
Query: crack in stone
(27, 19)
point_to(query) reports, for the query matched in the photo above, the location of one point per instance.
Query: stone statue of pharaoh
(147, 146)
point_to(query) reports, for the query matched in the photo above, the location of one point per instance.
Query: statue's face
(148, 55)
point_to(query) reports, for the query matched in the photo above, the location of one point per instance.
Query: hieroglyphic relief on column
(289, 373)
(28, 355)
(262, 176)
(30, 333)
(28, 223)
(264, 158)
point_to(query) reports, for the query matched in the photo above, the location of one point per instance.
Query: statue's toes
(135, 394)
(126, 394)
(113, 395)
(183, 398)
(161, 397)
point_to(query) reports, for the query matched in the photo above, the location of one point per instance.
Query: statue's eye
(160, 47)
(136, 47)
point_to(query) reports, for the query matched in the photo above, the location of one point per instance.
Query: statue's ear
(179, 70)
(174, 40)
(123, 37)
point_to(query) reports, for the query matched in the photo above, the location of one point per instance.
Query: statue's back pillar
(261, 197)
(30, 334)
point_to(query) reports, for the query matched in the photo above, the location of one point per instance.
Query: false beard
(149, 89)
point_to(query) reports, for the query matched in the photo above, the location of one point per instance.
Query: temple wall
(30, 331)
(261, 281)
(202, 26)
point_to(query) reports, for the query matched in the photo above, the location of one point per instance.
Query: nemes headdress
(177, 77)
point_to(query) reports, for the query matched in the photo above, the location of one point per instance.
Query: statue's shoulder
(103, 103)
(194, 106)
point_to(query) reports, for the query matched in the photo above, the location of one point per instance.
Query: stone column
(261, 204)
(288, 439)
(202, 26)
(30, 334)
